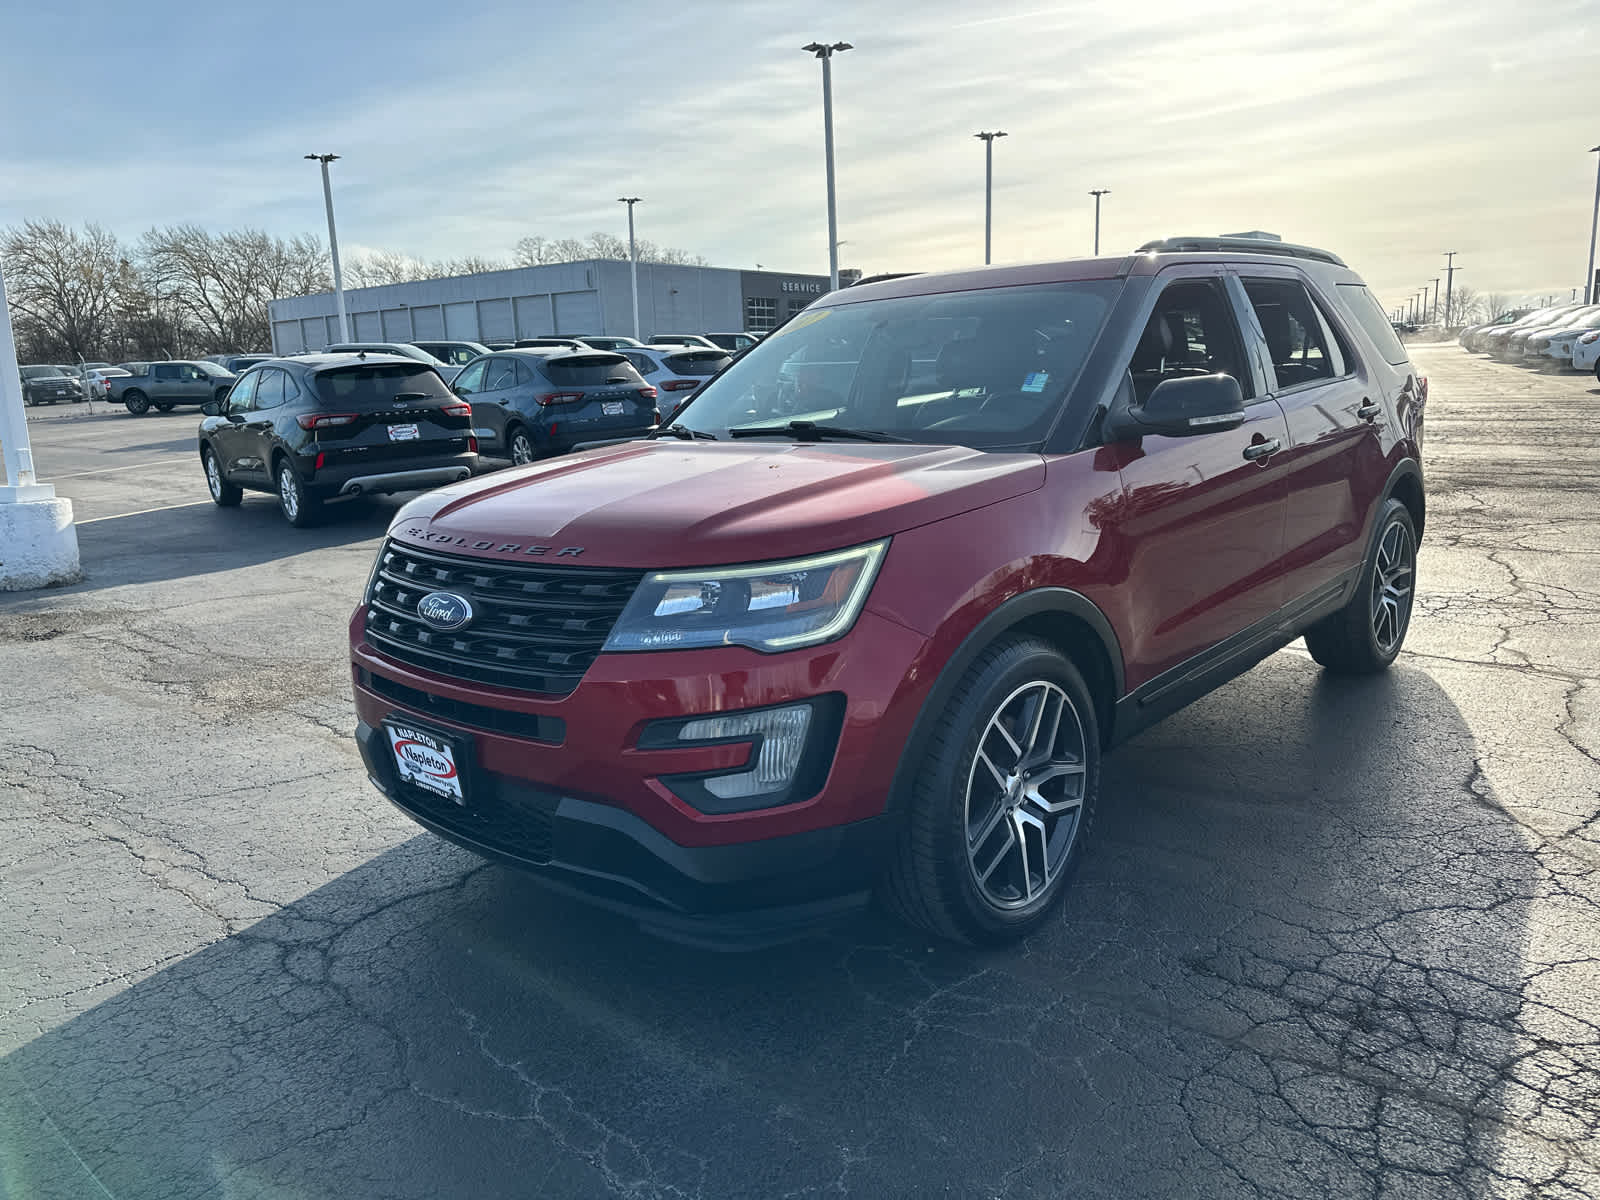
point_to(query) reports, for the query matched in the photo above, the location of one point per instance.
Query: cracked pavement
(1335, 938)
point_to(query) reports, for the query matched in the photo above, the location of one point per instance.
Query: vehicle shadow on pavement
(175, 543)
(1293, 965)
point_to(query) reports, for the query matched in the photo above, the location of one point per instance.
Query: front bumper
(567, 788)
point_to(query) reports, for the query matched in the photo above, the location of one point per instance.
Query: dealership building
(593, 297)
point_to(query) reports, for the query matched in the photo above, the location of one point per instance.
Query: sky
(1387, 132)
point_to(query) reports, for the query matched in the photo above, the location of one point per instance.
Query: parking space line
(160, 462)
(141, 512)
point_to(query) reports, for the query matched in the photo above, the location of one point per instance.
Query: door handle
(1257, 450)
(1369, 409)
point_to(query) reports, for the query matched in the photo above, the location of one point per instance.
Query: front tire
(138, 403)
(299, 509)
(1003, 803)
(223, 493)
(1365, 636)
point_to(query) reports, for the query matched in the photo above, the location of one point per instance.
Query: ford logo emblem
(444, 610)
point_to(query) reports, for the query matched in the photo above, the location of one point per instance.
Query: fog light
(783, 740)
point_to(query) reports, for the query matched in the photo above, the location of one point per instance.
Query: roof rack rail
(884, 278)
(1238, 245)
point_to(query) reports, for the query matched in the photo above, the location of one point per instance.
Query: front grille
(535, 627)
(519, 823)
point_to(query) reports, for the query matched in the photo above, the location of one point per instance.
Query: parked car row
(1565, 336)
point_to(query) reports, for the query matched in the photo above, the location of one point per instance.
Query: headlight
(769, 606)
(1588, 338)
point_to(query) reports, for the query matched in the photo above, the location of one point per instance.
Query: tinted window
(164, 371)
(269, 391)
(590, 370)
(524, 374)
(1295, 341)
(696, 362)
(502, 373)
(1191, 332)
(377, 384)
(1366, 309)
(988, 368)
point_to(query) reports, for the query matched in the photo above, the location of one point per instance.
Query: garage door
(494, 321)
(286, 337)
(578, 312)
(396, 325)
(428, 322)
(533, 316)
(368, 327)
(461, 321)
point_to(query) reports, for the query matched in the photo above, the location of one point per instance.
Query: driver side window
(1191, 332)
(470, 380)
(243, 394)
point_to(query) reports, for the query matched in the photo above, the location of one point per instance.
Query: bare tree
(64, 287)
(222, 282)
(536, 251)
(378, 267)
(1467, 307)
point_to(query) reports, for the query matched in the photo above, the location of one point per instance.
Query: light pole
(826, 53)
(988, 188)
(633, 260)
(1594, 222)
(1449, 279)
(1097, 193)
(1432, 319)
(333, 244)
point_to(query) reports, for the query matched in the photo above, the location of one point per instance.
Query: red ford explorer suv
(865, 616)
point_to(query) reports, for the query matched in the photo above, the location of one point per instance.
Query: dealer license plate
(612, 408)
(404, 433)
(426, 760)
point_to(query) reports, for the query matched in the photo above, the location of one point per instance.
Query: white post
(38, 542)
(333, 245)
(1589, 296)
(633, 262)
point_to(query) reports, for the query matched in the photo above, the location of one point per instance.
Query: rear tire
(223, 493)
(1365, 636)
(1004, 800)
(299, 509)
(519, 447)
(138, 403)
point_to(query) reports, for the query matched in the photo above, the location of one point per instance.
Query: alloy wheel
(1024, 795)
(1392, 580)
(521, 449)
(213, 476)
(288, 492)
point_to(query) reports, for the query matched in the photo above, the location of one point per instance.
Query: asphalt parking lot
(1337, 938)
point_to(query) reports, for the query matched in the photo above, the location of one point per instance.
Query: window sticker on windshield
(1035, 381)
(804, 319)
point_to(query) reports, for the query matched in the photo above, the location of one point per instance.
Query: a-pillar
(38, 541)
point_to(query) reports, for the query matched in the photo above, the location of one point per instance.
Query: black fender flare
(1045, 601)
(1407, 469)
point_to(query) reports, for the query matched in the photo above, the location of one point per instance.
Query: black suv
(529, 404)
(327, 427)
(44, 384)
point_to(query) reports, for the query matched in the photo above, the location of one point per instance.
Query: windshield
(41, 372)
(211, 368)
(987, 369)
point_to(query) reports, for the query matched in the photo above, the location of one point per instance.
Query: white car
(1560, 343)
(1586, 352)
(675, 371)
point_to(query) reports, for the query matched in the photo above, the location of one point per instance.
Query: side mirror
(211, 408)
(1182, 407)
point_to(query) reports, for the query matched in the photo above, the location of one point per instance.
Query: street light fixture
(633, 261)
(1097, 193)
(988, 188)
(826, 53)
(1589, 296)
(333, 243)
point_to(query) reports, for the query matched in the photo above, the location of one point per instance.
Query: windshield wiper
(810, 431)
(685, 433)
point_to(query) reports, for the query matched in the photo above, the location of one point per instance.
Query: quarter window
(1364, 306)
(1296, 340)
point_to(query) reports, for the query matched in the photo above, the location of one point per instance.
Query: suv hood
(678, 504)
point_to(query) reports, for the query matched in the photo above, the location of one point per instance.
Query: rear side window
(269, 390)
(1369, 313)
(696, 362)
(590, 370)
(377, 384)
